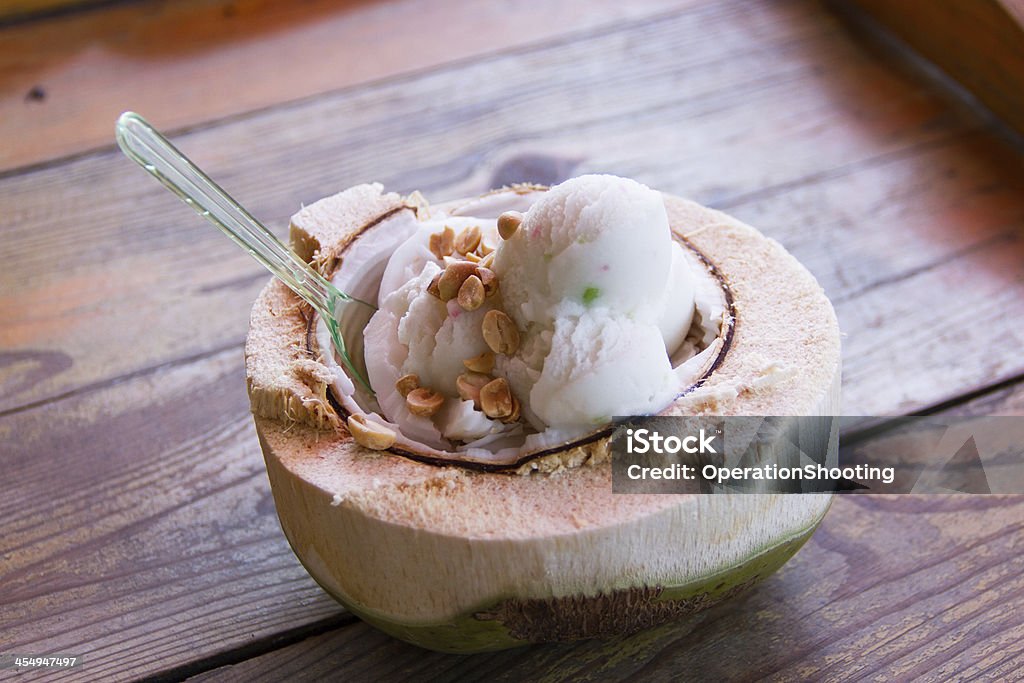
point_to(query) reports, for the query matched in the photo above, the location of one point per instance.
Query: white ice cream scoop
(596, 241)
(594, 264)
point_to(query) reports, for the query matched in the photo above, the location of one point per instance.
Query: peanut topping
(433, 288)
(447, 241)
(473, 256)
(370, 434)
(496, 398)
(453, 277)
(434, 244)
(442, 243)
(407, 383)
(508, 223)
(424, 402)
(469, 385)
(484, 249)
(487, 261)
(500, 332)
(468, 240)
(488, 279)
(482, 363)
(514, 415)
(471, 293)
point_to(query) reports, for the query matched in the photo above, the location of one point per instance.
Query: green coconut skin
(481, 630)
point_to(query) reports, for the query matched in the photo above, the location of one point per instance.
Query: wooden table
(137, 525)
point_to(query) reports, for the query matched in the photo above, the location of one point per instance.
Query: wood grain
(805, 136)
(63, 81)
(139, 531)
(917, 266)
(978, 43)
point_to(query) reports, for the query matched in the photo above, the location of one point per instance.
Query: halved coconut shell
(462, 561)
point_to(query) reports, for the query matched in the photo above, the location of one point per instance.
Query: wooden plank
(919, 255)
(64, 80)
(891, 587)
(978, 43)
(19, 10)
(142, 282)
(139, 531)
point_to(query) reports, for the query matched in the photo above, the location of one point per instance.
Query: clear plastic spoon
(144, 145)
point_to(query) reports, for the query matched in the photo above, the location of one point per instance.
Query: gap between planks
(242, 653)
(77, 89)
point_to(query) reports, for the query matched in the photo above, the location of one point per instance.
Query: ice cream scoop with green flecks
(603, 294)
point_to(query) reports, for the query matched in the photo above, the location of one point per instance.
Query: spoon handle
(151, 150)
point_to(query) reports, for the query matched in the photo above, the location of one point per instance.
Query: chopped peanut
(469, 384)
(496, 398)
(482, 363)
(468, 240)
(442, 243)
(500, 332)
(424, 402)
(488, 279)
(508, 223)
(433, 288)
(407, 383)
(471, 293)
(370, 435)
(516, 410)
(453, 277)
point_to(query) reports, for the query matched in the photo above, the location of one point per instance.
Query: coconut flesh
(600, 336)
(462, 548)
